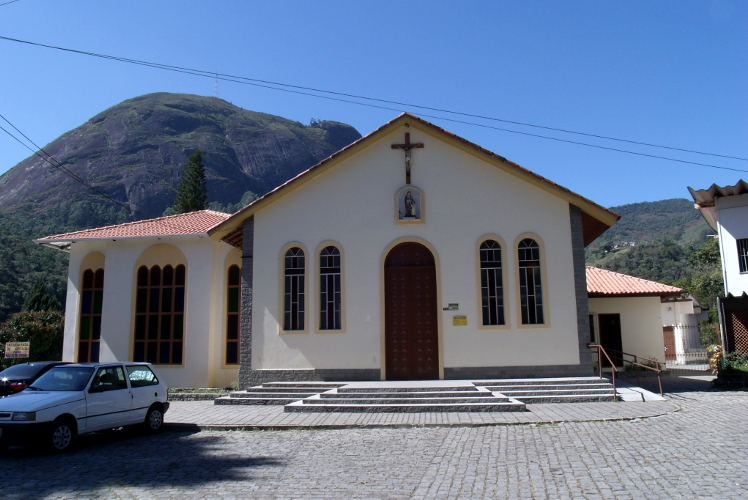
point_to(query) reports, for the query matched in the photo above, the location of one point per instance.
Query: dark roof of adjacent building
(705, 198)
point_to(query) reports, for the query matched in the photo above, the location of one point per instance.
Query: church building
(410, 254)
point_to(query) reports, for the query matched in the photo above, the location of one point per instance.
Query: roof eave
(604, 217)
(68, 241)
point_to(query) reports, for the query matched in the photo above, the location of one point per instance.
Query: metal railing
(634, 362)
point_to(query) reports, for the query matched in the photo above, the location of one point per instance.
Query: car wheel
(61, 435)
(154, 419)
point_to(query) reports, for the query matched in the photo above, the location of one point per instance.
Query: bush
(734, 362)
(43, 329)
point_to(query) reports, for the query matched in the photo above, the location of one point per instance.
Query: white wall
(732, 224)
(641, 323)
(464, 199)
(679, 312)
(204, 309)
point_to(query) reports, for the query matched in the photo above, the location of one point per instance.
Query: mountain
(134, 153)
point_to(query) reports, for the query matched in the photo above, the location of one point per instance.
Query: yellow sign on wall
(458, 320)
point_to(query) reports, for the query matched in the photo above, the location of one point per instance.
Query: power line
(306, 91)
(11, 1)
(59, 166)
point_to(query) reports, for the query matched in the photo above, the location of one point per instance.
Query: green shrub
(43, 329)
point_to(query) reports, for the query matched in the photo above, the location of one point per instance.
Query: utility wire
(11, 1)
(58, 165)
(305, 91)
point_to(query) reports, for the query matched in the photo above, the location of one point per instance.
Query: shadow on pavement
(124, 458)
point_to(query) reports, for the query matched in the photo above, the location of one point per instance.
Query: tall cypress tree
(39, 299)
(192, 193)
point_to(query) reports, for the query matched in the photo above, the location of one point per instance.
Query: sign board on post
(17, 350)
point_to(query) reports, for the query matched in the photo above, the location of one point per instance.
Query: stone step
(571, 398)
(548, 387)
(540, 381)
(414, 393)
(307, 385)
(274, 394)
(299, 406)
(557, 392)
(289, 390)
(403, 401)
(461, 388)
(263, 400)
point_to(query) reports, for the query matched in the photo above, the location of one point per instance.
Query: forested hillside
(666, 241)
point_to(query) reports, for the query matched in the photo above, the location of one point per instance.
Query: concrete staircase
(385, 399)
(277, 393)
(422, 396)
(553, 390)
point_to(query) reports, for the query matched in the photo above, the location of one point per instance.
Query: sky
(669, 73)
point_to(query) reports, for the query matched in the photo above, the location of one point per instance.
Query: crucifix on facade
(407, 147)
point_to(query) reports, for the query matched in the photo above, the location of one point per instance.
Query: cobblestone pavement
(698, 451)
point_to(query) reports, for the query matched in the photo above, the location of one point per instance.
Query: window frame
(742, 246)
(318, 270)
(504, 279)
(159, 314)
(228, 314)
(282, 291)
(93, 317)
(543, 282)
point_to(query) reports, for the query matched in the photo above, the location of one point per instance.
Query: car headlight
(26, 416)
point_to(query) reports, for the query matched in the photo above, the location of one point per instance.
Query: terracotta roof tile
(174, 225)
(604, 283)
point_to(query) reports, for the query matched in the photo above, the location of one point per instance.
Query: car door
(146, 389)
(109, 400)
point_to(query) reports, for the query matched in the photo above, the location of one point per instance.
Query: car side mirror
(96, 388)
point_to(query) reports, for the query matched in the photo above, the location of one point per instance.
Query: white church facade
(410, 254)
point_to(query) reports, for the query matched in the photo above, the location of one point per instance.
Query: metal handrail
(601, 350)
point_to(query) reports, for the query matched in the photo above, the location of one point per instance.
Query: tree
(43, 331)
(39, 299)
(192, 193)
(705, 277)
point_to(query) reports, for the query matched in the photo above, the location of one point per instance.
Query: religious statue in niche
(409, 204)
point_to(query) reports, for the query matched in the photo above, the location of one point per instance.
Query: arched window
(329, 289)
(530, 287)
(233, 308)
(293, 305)
(159, 315)
(89, 331)
(491, 283)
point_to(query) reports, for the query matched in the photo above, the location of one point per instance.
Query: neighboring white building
(410, 254)
(726, 211)
(626, 312)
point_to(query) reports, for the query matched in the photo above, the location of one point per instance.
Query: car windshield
(63, 378)
(24, 370)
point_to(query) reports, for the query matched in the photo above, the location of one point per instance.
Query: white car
(77, 398)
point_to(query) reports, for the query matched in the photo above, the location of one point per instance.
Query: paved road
(700, 451)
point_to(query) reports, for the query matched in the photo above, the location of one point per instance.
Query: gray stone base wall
(486, 372)
(257, 377)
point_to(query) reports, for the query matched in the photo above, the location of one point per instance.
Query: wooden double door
(411, 326)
